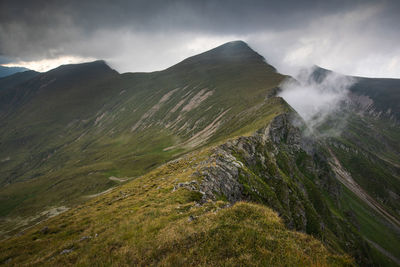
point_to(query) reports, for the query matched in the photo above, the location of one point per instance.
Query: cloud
(317, 95)
(48, 64)
(136, 55)
(355, 37)
(356, 42)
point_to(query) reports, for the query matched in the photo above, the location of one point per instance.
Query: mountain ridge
(7, 71)
(231, 52)
(381, 93)
(217, 128)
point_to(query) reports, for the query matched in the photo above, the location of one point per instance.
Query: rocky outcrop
(263, 167)
(284, 168)
(365, 106)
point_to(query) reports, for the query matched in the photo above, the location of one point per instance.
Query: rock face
(282, 167)
(222, 178)
(262, 168)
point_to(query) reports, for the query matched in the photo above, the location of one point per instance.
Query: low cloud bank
(318, 95)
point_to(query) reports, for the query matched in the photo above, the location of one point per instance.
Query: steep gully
(345, 178)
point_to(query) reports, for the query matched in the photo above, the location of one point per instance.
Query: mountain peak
(235, 50)
(86, 65)
(231, 52)
(95, 68)
(238, 44)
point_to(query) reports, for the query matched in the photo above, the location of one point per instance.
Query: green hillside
(65, 132)
(16, 79)
(199, 164)
(157, 220)
(369, 152)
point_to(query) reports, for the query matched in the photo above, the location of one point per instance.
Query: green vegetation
(65, 132)
(371, 225)
(300, 187)
(368, 149)
(110, 150)
(146, 222)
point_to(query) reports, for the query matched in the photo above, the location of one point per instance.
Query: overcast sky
(351, 37)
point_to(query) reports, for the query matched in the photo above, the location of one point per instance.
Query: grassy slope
(301, 188)
(67, 131)
(81, 166)
(256, 241)
(16, 79)
(377, 177)
(146, 222)
(368, 148)
(372, 226)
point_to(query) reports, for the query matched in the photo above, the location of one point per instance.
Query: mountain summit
(236, 52)
(231, 52)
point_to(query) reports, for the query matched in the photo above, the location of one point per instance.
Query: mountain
(198, 164)
(368, 151)
(16, 79)
(63, 119)
(6, 71)
(374, 95)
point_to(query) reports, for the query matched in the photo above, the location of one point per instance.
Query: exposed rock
(263, 168)
(83, 238)
(284, 167)
(66, 251)
(202, 95)
(221, 178)
(192, 185)
(6, 159)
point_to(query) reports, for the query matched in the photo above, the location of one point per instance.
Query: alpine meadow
(240, 154)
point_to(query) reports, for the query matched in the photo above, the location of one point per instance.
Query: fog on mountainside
(316, 97)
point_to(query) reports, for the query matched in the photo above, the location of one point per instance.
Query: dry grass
(146, 223)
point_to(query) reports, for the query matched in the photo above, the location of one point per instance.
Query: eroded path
(345, 178)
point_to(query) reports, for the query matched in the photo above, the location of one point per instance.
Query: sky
(359, 37)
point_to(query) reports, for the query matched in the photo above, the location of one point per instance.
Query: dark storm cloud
(33, 30)
(213, 15)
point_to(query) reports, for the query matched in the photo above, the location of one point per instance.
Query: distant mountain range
(199, 164)
(6, 71)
